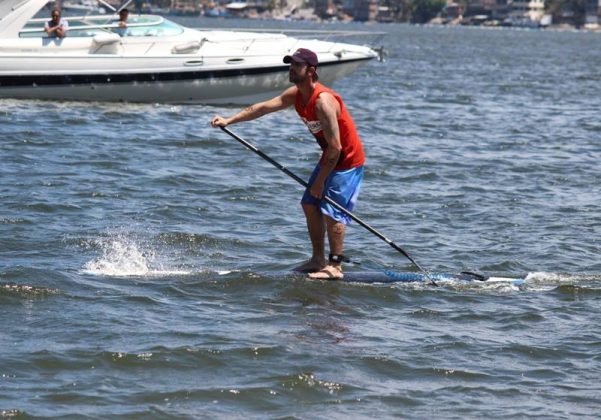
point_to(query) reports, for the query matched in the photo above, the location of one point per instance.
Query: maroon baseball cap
(304, 56)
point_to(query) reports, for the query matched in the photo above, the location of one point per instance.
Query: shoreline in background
(308, 15)
(553, 28)
(296, 11)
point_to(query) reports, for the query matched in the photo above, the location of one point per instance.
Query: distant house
(494, 9)
(325, 9)
(236, 8)
(453, 10)
(385, 14)
(527, 10)
(248, 8)
(185, 7)
(364, 10)
(593, 12)
(477, 11)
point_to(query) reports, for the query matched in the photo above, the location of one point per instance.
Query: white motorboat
(156, 61)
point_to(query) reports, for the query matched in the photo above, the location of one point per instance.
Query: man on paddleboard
(338, 173)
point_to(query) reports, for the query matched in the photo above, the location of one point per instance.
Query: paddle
(330, 201)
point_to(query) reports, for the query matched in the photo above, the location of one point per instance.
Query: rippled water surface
(142, 252)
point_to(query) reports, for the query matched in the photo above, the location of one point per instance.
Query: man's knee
(310, 208)
(335, 224)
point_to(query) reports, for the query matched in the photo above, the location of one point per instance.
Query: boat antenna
(124, 5)
(304, 183)
(110, 6)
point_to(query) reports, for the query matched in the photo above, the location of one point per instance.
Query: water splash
(123, 255)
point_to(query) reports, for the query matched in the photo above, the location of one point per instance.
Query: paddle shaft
(328, 199)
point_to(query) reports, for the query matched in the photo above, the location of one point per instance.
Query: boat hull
(207, 86)
(152, 60)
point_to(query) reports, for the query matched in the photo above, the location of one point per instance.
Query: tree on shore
(415, 11)
(556, 8)
(579, 9)
(422, 11)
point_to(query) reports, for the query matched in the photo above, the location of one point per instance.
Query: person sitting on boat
(56, 27)
(122, 23)
(339, 171)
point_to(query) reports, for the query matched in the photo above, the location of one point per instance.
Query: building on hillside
(385, 14)
(494, 9)
(325, 9)
(185, 7)
(453, 10)
(248, 9)
(593, 12)
(523, 11)
(364, 10)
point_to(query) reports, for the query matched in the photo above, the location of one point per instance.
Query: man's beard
(296, 79)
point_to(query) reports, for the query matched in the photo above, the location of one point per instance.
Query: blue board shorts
(342, 187)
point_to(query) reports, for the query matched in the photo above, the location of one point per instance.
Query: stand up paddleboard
(389, 276)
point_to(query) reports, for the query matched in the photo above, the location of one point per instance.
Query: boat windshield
(90, 26)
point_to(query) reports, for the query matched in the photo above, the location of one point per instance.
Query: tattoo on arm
(246, 114)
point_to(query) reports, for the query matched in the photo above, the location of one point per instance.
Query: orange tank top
(351, 155)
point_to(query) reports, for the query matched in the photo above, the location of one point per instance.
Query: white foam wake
(123, 256)
(546, 280)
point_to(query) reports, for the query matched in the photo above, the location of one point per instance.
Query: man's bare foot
(329, 272)
(310, 266)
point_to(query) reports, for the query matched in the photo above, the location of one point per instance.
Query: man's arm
(257, 110)
(48, 29)
(62, 29)
(327, 109)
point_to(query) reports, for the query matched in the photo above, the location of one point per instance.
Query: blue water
(142, 252)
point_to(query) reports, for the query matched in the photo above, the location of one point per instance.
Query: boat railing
(324, 35)
(81, 28)
(85, 23)
(337, 47)
(147, 19)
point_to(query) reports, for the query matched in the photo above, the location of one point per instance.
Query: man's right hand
(218, 121)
